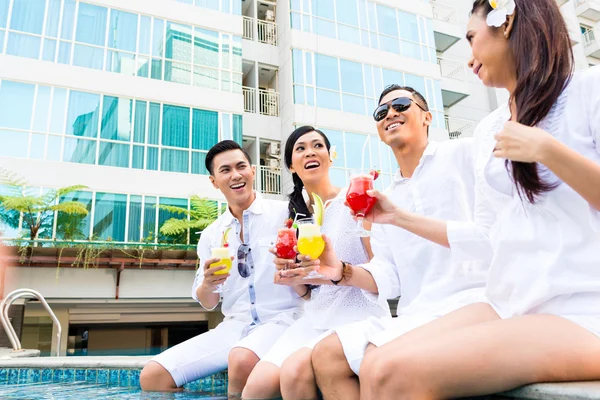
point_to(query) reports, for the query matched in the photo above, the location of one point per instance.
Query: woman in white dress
(286, 370)
(537, 163)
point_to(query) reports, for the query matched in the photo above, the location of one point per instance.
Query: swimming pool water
(92, 384)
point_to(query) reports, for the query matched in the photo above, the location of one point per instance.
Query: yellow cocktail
(310, 241)
(225, 259)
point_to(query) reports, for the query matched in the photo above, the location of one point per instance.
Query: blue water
(96, 384)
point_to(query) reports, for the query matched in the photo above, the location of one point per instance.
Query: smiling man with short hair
(256, 310)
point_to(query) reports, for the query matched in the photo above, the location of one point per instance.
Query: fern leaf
(174, 209)
(70, 207)
(174, 226)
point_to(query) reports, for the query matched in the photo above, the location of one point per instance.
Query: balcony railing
(457, 127)
(444, 13)
(249, 99)
(248, 32)
(451, 69)
(268, 179)
(268, 101)
(265, 31)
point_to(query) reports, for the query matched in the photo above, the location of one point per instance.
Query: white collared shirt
(255, 299)
(428, 277)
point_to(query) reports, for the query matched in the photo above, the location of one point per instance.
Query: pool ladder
(8, 328)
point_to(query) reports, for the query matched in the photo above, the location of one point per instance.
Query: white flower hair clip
(332, 153)
(501, 9)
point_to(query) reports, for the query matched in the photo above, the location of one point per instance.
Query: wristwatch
(342, 278)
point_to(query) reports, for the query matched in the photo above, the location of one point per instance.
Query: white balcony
(589, 9)
(591, 45)
(260, 31)
(268, 180)
(459, 128)
(267, 101)
(454, 84)
(446, 29)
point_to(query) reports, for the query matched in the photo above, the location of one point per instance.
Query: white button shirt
(255, 299)
(429, 278)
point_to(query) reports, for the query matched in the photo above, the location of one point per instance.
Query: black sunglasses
(400, 104)
(244, 267)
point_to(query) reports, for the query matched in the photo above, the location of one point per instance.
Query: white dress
(546, 255)
(331, 306)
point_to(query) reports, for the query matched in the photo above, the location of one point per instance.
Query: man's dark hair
(221, 147)
(418, 96)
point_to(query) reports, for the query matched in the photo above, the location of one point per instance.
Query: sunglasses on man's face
(242, 255)
(401, 104)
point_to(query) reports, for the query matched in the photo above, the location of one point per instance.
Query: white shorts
(356, 337)
(207, 353)
(300, 334)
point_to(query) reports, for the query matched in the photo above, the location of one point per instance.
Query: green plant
(201, 214)
(38, 210)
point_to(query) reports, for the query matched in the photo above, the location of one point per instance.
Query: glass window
(144, 39)
(164, 215)
(109, 216)
(297, 62)
(390, 44)
(54, 146)
(206, 77)
(158, 38)
(120, 62)
(336, 138)
(3, 12)
(114, 154)
(89, 57)
(64, 53)
(176, 126)
(238, 128)
(206, 47)
(116, 118)
(348, 34)
(295, 5)
(205, 129)
(2, 41)
(49, 53)
(353, 151)
(135, 218)
(326, 71)
(82, 116)
(225, 6)
(299, 97)
(38, 144)
(80, 151)
(152, 158)
(324, 9)
(16, 104)
(23, 45)
(154, 123)
(91, 24)
(226, 127)
(28, 16)
(369, 81)
(150, 211)
(386, 21)
(53, 18)
(174, 160)
(309, 68)
(156, 72)
(68, 19)
(179, 42)
(143, 67)
(14, 144)
(328, 99)
(409, 27)
(139, 133)
(324, 27)
(42, 112)
(225, 50)
(416, 82)
(296, 21)
(178, 72)
(137, 157)
(411, 50)
(57, 114)
(392, 77)
(338, 177)
(199, 163)
(352, 77)
(354, 104)
(122, 33)
(75, 227)
(347, 12)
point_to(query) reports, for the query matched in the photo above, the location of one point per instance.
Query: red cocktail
(358, 199)
(286, 240)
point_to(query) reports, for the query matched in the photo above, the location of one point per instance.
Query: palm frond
(21, 203)
(60, 192)
(11, 179)
(174, 209)
(174, 226)
(70, 207)
(202, 208)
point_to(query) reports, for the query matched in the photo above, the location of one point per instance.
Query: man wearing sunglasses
(435, 261)
(256, 310)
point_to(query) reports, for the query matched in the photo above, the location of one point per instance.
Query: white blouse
(546, 256)
(332, 306)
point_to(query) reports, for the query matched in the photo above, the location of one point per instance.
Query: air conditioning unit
(273, 150)
(273, 163)
(270, 16)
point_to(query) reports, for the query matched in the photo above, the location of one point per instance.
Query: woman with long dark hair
(286, 370)
(537, 166)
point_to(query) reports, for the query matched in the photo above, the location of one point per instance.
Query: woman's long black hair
(296, 200)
